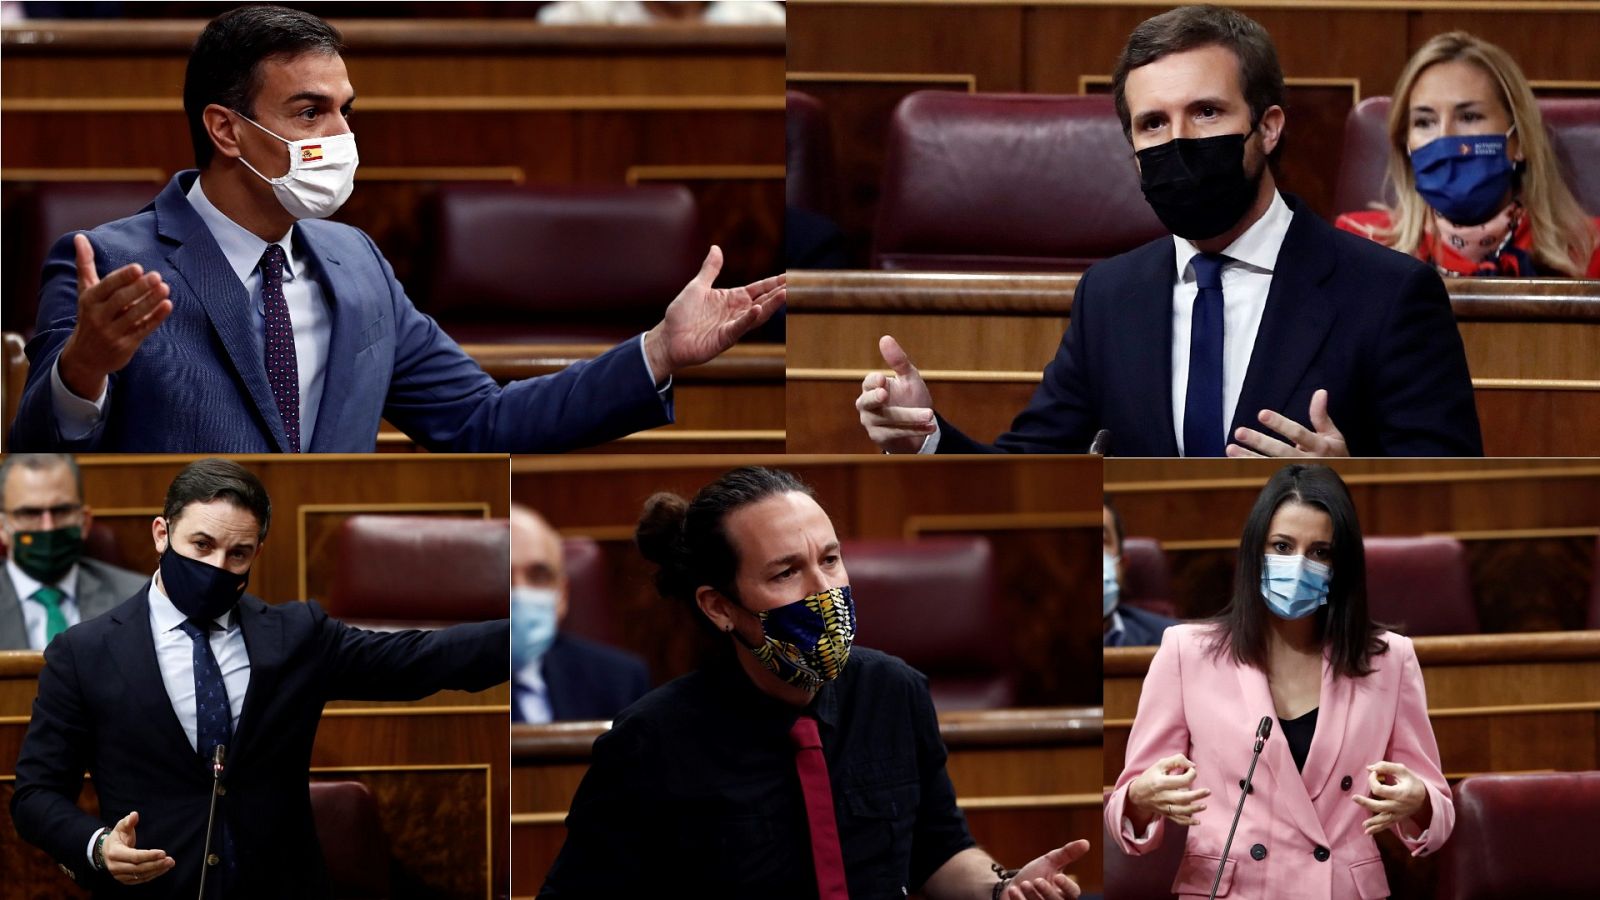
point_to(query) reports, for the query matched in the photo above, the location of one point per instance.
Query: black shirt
(1298, 732)
(694, 791)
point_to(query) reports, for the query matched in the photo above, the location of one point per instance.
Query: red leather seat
(809, 181)
(1146, 579)
(1421, 585)
(1147, 877)
(591, 263)
(1572, 123)
(413, 571)
(1521, 836)
(46, 213)
(1002, 182)
(352, 839)
(589, 606)
(933, 603)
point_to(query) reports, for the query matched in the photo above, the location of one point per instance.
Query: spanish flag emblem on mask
(311, 153)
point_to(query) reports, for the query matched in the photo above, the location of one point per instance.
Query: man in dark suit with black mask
(1257, 329)
(145, 696)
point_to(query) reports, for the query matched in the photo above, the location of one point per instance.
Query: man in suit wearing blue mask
(1256, 329)
(229, 316)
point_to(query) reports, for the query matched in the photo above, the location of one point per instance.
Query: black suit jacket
(102, 707)
(1371, 325)
(586, 680)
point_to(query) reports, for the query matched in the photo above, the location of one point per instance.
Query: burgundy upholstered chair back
(1421, 585)
(1522, 836)
(1007, 182)
(932, 602)
(352, 839)
(415, 570)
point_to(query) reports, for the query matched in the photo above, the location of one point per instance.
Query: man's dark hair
(1344, 626)
(38, 462)
(205, 480)
(225, 64)
(1116, 519)
(688, 539)
(1192, 27)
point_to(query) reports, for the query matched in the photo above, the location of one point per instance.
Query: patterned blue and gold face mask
(808, 642)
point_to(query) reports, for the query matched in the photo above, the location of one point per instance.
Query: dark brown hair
(688, 540)
(1343, 624)
(1192, 27)
(205, 480)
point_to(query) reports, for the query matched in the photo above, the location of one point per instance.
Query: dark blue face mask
(199, 590)
(1464, 178)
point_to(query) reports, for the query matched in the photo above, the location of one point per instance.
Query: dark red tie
(813, 770)
(282, 373)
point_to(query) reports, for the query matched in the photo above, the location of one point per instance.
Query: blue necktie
(282, 372)
(1203, 428)
(213, 725)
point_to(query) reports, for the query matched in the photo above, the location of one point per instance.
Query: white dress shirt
(34, 615)
(175, 657)
(1246, 278)
(534, 700)
(308, 313)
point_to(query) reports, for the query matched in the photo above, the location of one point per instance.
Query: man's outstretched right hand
(126, 862)
(115, 315)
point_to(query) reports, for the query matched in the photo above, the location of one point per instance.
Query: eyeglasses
(29, 518)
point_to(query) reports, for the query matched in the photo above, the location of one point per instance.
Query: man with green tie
(48, 585)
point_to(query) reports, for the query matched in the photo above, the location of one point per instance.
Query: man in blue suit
(1251, 331)
(557, 676)
(232, 318)
(1124, 625)
(142, 696)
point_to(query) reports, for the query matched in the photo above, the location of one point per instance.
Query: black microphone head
(1101, 445)
(1264, 730)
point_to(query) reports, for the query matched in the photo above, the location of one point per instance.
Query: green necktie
(54, 621)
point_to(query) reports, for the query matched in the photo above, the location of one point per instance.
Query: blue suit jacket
(198, 384)
(103, 708)
(1140, 627)
(587, 680)
(1372, 326)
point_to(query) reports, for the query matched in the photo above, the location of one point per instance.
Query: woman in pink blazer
(1351, 751)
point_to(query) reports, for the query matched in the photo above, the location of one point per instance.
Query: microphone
(1101, 445)
(1263, 731)
(211, 819)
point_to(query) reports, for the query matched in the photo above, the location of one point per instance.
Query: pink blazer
(1300, 835)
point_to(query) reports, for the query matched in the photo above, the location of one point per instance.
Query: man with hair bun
(794, 764)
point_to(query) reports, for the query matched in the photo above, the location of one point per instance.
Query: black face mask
(199, 590)
(47, 555)
(1198, 186)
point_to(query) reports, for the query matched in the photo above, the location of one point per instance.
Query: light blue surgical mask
(533, 624)
(1293, 586)
(1110, 590)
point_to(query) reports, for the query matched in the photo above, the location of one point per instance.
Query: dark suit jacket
(1141, 627)
(587, 680)
(102, 708)
(198, 384)
(1372, 326)
(100, 587)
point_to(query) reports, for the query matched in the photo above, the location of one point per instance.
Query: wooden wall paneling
(127, 491)
(981, 40)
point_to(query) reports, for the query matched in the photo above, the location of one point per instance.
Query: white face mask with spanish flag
(322, 173)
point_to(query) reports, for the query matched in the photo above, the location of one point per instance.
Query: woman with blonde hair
(1476, 184)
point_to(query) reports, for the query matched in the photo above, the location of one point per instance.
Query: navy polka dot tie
(213, 721)
(282, 371)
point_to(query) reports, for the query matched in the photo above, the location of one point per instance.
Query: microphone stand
(216, 785)
(1262, 731)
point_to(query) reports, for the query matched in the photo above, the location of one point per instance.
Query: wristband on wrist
(100, 849)
(1005, 875)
